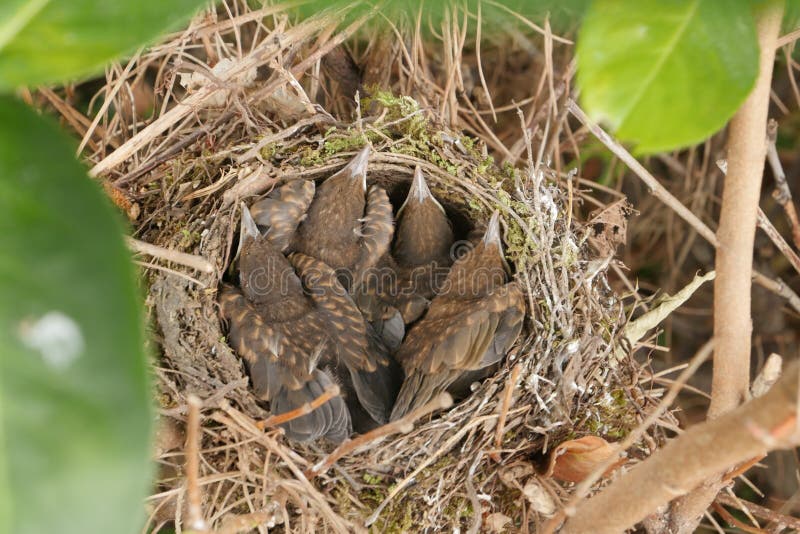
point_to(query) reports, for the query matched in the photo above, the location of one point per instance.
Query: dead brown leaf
(574, 460)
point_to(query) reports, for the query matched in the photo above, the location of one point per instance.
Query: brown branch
(196, 521)
(732, 521)
(305, 409)
(778, 519)
(658, 191)
(733, 326)
(404, 425)
(508, 393)
(686, 462)
(782, 194)
(737, 226)
(777, 239)
(779, 288)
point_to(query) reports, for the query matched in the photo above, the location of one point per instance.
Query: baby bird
(292, 323)
(283, 373)
(348, 226)
(469, 326)
(422, 248)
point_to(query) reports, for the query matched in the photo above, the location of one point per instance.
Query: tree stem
(747, 148)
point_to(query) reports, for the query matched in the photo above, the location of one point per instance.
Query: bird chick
(283, 373)
(348, 226)
(422, 249)
(292, 323)
(468, 328)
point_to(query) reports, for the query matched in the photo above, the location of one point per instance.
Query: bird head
(424, 233)
(355, 172)
(265, 274)
(478, 272)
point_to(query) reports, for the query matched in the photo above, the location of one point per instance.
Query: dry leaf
(574, 460)
(610, 227)
(539, 499)
(496, 522)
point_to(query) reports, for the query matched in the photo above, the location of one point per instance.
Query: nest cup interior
(397, 186)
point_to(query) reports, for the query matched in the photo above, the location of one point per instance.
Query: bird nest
(483, 460)
(561, 380)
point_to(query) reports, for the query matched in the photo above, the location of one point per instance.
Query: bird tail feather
(330, 421)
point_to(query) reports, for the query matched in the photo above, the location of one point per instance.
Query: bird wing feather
(335, 305)
(456, 336)
(271, 354)
(377, 229)
(283, 210)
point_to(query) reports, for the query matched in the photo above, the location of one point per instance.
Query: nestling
(468, 328)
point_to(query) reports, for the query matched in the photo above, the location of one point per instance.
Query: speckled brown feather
(372, 374)
(377, 229)
(283, 209)
(252, 339)
(335, 306)
(283, 371)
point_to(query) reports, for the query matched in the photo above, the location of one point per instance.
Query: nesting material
(564, 378)
(567, 381)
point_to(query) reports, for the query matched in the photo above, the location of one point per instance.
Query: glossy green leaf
(75, 421)
(43, 41)
(666, 74)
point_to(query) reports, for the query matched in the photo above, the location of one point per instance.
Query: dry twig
(782, 194)
(196, 521)
(404, 425)
(175, 256)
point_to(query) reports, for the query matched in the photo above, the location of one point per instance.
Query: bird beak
(492, 235)
(248, 230)
(419, 191)
(357, 168)
(419, 188)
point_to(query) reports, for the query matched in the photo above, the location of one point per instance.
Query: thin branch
(305, 409)
(789, 38)
(196, 521)
(778, 240)
(189, 260)
(732, 521)
(780, 520)
(508, 393)
(658, 191)
(782, 194)
(760, 425)
(404, 425)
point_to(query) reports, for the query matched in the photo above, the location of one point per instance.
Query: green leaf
(666, 74)
(75, 422)
(44, 41)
